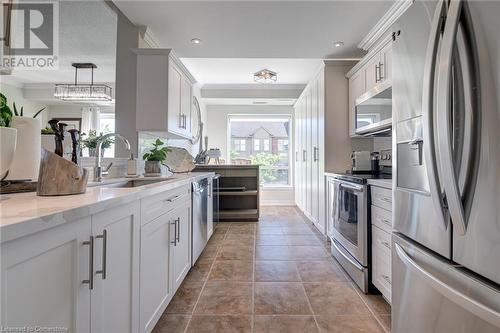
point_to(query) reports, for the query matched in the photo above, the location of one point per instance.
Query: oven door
(350, 219)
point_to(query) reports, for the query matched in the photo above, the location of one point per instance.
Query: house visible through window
(269, 137)
(240, 145)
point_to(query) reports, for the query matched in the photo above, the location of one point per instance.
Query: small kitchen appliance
(361, 161)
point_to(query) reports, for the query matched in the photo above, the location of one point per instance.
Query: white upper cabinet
(371, 71)
(164, 93)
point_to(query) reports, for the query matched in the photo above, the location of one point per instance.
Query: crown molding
(396, 10)
(148, 36)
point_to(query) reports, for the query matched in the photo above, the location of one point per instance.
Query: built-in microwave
(374, 111)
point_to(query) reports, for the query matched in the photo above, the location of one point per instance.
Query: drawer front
(382, 240)
(381, 197)
(382, 218)
(162, 203)
(381, 260)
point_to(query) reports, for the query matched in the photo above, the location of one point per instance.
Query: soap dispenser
(132, 166)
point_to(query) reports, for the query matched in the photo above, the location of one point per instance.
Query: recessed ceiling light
(338, 44)
(196, 41)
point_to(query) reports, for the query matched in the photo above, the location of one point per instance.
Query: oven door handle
(351, 187)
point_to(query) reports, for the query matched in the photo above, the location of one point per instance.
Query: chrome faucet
(98, 172)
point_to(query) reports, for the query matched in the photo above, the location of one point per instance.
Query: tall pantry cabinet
(322, 141)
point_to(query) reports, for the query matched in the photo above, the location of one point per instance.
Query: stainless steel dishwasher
(200, 217)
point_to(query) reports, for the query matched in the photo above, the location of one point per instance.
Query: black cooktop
(361, 178)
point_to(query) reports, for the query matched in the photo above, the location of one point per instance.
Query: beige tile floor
(276, 275)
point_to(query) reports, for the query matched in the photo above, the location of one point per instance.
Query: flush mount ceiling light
(196, 41)
(265, 76)
(83, 91)
(338, 43)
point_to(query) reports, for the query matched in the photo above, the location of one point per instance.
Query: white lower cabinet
(181, 246)
(114, 271)
(41, 279)
(165, 257)
(156, 287)
(381, 228)
(114, 298)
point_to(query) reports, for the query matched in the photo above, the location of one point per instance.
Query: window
(266, 144)
(107, 125)
(262, 131)
(256, 145)
(282, 145)
(240, 144)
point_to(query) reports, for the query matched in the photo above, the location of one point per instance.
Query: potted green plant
(154, 158)
(8, 137)
(91, 142)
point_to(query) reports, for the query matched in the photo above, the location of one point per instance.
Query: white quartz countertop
(385, 183)
(25, 213)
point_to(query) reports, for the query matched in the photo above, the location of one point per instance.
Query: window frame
(291, 138)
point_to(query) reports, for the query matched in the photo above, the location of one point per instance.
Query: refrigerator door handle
(443, 113)
(427, 107)
(471, 305)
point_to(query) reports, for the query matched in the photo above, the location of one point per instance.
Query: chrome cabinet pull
(172, 199)
(104, 238)
(175, 233)
(316, 154)
(376, 73)
(178, 228)
(387, 278)
(304, 155)
(90, 280)
(386, 221)
(380, 64)
(386, 244)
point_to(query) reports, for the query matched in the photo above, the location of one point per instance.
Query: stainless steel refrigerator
(446, 102)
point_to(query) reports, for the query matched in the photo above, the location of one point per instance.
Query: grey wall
(126, 76)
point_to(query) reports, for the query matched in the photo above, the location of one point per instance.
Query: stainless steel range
(350, 221)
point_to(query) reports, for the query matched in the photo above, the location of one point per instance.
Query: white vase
(7, 148)
(27, 156)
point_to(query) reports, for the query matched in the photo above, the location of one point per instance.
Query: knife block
(59, 176)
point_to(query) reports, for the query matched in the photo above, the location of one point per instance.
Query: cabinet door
(303, 154)
(115, 300)
(297, 153)
(181, 245)
(314, 153)
(309, 149)
(186, 92)
(43, 279)
(174, 100)
(372, 72)
(210, 207)
(330, 207)
(155, 289)
(386, 60)
(356, 89)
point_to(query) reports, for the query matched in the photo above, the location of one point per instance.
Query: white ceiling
(258, 29)
(87, 33)
(240, 70)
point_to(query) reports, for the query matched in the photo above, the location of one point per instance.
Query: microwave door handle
(443, 113)
(427, 114)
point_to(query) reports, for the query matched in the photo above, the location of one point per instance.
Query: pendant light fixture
(83, 91)
(265, 76)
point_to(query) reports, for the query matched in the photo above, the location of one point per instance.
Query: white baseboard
(277, 203)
